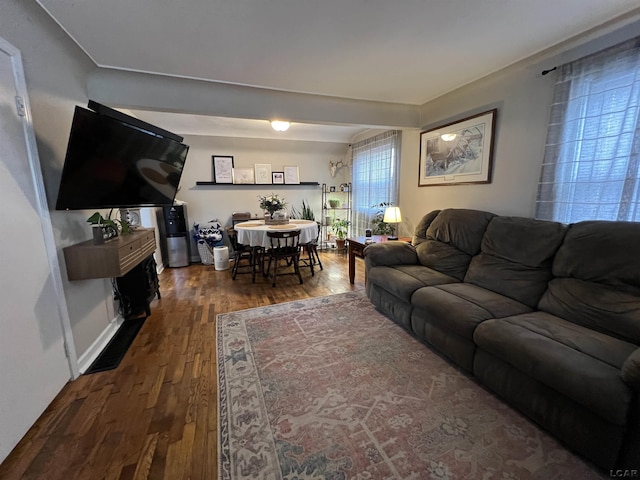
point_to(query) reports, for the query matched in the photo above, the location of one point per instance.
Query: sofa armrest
(390, 253)
(631, 370)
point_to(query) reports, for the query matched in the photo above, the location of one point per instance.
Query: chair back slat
(285, 240)
(284, 246)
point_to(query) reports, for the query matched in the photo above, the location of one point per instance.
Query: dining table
(254, 233)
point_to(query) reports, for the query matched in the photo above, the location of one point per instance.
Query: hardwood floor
(155, 416)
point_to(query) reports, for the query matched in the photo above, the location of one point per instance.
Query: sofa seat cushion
(460, 307)
(580, 363)
(403, 280)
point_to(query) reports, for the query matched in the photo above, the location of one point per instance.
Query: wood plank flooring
(155, 416)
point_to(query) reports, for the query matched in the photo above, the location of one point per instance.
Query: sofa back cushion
(516, 257)
(597, 284)
(420, 234)
(452, 238)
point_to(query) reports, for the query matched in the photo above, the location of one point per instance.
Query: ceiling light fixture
(280, 126)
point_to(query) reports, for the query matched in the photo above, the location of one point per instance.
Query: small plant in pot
(105, 228)
(340, 228)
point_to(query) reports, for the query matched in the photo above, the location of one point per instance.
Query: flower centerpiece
(274, 206)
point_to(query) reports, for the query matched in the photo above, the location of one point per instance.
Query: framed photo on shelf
(263, 173)
(222, 168)
(458, 153)
(277, 178)
(291, 175)
(243, 176)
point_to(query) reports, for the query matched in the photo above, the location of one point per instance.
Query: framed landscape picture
(458, 153)
(222, 168)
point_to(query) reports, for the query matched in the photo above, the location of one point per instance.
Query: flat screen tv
(113, 163)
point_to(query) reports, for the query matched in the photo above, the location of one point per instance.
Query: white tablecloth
(254, 233)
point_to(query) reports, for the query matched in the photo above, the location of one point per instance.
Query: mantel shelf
(263, 185)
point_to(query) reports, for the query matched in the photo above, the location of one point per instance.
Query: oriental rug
(329, 388)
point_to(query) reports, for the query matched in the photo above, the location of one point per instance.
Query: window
(590, 169)
(375, 176)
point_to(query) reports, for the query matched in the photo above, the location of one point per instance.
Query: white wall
(207, 202)
(32, 357)
(523, 99)
(155, 92)
(56, 71)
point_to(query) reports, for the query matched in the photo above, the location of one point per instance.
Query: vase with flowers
(274, 208)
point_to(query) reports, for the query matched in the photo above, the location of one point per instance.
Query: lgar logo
(627, 473)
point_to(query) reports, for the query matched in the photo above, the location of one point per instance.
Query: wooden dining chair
(243, 254)
(312, 258)
(284, 247)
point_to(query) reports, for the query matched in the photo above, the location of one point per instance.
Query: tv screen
(113, 164)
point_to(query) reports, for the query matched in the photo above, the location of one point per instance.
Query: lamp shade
(392, 215)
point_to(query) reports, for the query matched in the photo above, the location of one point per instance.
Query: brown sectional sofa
(545, 315)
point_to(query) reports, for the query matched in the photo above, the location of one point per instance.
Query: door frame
(22, 98)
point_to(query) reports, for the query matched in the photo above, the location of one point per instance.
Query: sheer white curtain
(590, 169)
(375, 176)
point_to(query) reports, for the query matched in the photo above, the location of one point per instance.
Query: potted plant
(378, 226)
(106, 228)
(340, 228)
(305, 214)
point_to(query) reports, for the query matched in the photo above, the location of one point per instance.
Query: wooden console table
(357, 246)
(114, 258)
(128, 259)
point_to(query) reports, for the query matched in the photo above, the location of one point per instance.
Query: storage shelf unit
(114, 258)
(264, 185)
(342, 193)
(126, 258)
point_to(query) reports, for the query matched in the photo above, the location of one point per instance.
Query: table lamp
(392, 216)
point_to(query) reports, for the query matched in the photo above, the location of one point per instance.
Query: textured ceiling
(407, 51)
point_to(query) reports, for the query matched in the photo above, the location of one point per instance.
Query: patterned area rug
(329, 388)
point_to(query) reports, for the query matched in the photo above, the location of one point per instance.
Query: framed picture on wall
(458, 153)
(263, 173)
(243, 175)
(277, 178)
(222, 168)
(291, 175)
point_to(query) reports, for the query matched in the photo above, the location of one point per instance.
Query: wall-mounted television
(116, 161)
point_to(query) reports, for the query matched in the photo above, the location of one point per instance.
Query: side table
(356, 249)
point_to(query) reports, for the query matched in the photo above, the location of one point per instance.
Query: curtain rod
(544, 72)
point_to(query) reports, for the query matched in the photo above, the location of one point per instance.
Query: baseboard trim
(87, 358)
